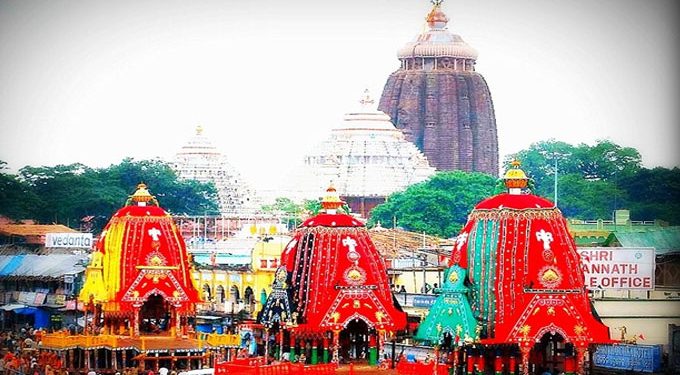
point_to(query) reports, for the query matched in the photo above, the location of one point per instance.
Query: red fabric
(540, 283)
(338, 275)
(151, 238)
(332, 220)
(512, 201)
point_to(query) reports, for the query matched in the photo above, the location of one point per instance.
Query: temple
(332, 289)
(527, 291)
(200, 160)
(366, 158)
(441, 103)
(139, 298)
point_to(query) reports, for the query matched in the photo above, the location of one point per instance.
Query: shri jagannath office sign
(74, 240)
(618, 267)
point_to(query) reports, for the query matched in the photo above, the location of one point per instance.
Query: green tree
(538, 162)
(606, 160)
(603, 161)
(17, 199)
(287, 209)
(63, 189)
(587, 200)
(653, 194)
(70, 192)
(438, 206)
(179, 197)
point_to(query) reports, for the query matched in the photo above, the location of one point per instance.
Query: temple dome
(140, 254)
(437, 41)
(365, 155)
(329, 266)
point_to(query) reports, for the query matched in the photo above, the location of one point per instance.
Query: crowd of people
(19, 354)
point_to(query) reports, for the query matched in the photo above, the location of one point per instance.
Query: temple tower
(200, 160)
(440, 102)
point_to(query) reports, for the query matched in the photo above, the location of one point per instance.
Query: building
(38, 280)
(199, 160)
(236, 276)
(365, 158)
(441, 103)
(646, 315)
(590, 233)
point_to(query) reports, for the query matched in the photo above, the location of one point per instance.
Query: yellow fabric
(113, 255)
(94, 286)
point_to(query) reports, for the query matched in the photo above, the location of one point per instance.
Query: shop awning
(12, 306)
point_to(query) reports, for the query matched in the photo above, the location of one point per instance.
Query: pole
(555, 157)
(266, 345)
(394, 352)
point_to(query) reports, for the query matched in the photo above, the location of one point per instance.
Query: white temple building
(199, 160)
(365, 158)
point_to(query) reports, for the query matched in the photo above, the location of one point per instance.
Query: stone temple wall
(448, 114)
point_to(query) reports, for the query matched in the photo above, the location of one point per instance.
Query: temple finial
(515, 179)
(142, 197)
(331, 201)
(436, 19)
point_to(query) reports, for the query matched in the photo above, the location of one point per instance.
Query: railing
(217, 340)
(256, 366)
(61, 340)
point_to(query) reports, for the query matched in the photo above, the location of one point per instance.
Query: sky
(98, 81)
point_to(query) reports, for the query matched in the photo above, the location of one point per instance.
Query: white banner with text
(77, 240)
(618, 267)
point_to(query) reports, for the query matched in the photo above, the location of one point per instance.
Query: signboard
(618, 267)
(424, 301)
(641, 358)
(26, 298)
(71, 305)
(78, 240)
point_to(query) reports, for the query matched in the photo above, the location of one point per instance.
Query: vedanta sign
(77, 240)
(618, 267)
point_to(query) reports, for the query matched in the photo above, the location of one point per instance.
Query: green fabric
(292, 354)
(373, 356)
(482, 261)
(450, 313)
(325, 355)
(315, 355)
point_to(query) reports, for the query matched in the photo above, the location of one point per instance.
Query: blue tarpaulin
(41, 317)
(204, 328)
(12, 265)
